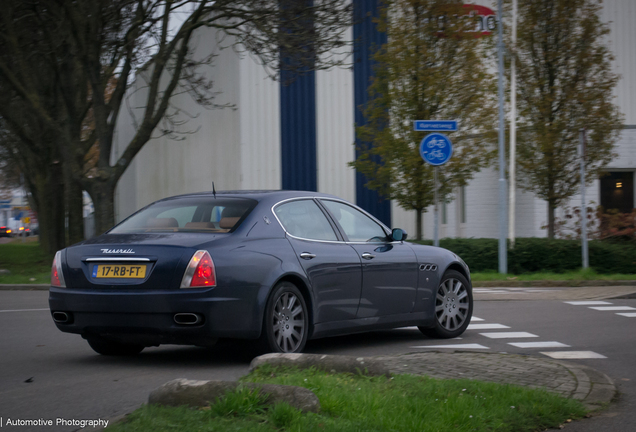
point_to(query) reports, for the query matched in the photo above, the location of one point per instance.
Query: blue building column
(299, 166)
(298, 132)
(367, 39)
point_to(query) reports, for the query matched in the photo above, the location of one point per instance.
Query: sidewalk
(579, 382)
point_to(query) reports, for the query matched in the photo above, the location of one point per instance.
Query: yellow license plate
(130, 271)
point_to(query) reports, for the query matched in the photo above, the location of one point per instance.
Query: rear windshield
(213, 215)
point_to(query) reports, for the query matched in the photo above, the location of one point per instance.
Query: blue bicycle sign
(436, 149)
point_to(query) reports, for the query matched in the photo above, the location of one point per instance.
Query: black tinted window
(304, 219)
(357, 226)
(201, 214)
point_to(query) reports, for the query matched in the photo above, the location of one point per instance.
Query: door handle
(307, 255)
(367, 256)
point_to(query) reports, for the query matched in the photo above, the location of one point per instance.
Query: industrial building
(301, 136)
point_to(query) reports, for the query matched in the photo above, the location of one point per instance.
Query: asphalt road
(47, 374)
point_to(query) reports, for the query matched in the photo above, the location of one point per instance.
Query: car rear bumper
(149, 317)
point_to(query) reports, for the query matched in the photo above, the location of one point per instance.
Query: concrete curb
(592, 388)
(328, 363)
(181, 392)
(595, 389)
(551, 283)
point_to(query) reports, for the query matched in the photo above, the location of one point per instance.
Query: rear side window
(200, 214)
(304, 219)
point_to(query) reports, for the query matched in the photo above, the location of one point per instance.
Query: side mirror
(398, 234)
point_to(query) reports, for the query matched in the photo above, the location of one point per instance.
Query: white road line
(477, 290)
(587, 303)
(574, 355)
(24, 310)
(508, 335)
(613, 308)
(476, 319)
(486, 326)
(628, 315)
(457, 346)
(551, 344)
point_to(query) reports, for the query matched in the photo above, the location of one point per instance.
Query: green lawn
(359, 403)
(579, 275)
(26, 261)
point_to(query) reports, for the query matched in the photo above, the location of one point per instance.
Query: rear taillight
(200, 271)
(57, 277)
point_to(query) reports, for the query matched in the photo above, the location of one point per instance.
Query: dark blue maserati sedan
(279, 267)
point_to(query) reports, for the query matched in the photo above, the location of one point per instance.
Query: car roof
(258, 195)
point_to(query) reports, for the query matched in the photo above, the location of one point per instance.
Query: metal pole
(513, 134)
(585, 257)
(436, 218)
(503, 199)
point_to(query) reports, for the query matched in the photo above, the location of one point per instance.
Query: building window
(617, 191)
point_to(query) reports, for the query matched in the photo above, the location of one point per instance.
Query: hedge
(542, 255)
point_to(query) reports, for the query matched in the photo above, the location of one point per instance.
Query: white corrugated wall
(259, 109)
(335, 132)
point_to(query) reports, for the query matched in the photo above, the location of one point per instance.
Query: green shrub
(542, 255)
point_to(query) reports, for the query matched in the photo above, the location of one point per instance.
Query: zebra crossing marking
(455, 346)
(612, 308)
(551, 344)
(567, 355)
(508, 335)
(486, 326)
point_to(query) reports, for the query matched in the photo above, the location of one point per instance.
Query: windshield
(199, 214)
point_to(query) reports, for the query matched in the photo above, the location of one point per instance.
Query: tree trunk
(103, 195)
(551, 211)
(74, 207)
(418, 212)
(49, 196)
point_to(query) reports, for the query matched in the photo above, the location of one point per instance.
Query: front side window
(188, 214)
(357, 226)
(304, 219)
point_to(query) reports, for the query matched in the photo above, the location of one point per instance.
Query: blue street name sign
(436, 149)
(435, 125)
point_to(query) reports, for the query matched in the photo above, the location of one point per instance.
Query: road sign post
(584, 250)
(436, 149)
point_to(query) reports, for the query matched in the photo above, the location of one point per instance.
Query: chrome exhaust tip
(62, 317)
(188, 319)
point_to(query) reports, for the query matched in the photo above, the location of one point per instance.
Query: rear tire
(111, 348)
(286, 320)
(453, 307)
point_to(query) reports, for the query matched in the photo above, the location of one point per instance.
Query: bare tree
(95, 47)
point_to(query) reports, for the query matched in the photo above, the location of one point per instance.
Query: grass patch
(26, 261)
(579, 275)
(358, 403)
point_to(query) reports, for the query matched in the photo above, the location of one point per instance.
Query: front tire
(286, 322)
(453, 307)
(112, 348)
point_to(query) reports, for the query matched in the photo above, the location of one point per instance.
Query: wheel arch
(459, 268)
(301, 284)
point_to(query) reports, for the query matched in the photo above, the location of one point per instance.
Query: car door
(389, 269)
(332, 267)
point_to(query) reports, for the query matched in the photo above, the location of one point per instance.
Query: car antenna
(213, 190)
